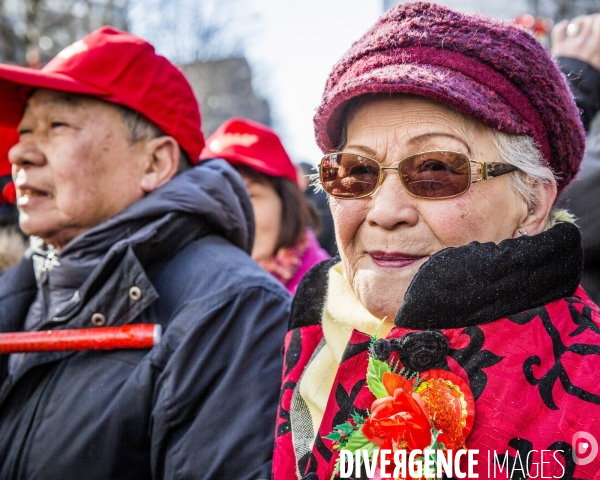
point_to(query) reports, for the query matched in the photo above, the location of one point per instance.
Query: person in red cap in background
(284, 244)
(125, 231)
(12, 242)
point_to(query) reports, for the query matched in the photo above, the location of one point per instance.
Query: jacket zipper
(19, 457)
(49, 262)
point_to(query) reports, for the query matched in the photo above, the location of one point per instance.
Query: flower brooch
(415, 408)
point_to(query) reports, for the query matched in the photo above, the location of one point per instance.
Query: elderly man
(127, 232)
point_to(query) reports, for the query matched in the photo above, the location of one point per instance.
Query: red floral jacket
(522, 335)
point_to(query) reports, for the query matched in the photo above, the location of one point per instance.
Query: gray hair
(522, 152)
(139, 128)
(518, 150)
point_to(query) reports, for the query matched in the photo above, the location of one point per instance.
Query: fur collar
(472, 284)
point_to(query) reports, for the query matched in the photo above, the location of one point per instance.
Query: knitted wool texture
(492, 71)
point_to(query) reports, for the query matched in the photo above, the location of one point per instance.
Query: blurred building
(224, 89)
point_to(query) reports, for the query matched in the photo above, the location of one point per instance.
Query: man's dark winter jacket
(200, 404)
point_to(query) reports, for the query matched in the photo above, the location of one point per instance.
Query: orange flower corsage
(432, 410)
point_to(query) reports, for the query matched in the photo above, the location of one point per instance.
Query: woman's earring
(522, 232)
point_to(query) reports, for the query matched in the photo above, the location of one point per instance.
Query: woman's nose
(391, 205)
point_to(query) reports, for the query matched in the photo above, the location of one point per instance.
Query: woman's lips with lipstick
(394, 259)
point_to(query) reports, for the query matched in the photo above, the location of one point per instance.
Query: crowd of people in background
(579, 58)
(115, 210)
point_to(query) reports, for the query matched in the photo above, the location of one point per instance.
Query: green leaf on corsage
(375, 371)
(342, 432)
(358, 441)
(355, 440)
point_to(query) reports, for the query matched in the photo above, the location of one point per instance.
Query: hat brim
(466, 96)
(16, 83)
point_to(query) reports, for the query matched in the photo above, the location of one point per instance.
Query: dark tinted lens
(436, 174)
(346, 175)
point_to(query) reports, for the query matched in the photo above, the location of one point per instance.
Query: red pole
(105, 338)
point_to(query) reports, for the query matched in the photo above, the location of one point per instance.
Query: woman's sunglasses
(436, 174)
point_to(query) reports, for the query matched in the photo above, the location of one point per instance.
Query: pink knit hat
(492, 71)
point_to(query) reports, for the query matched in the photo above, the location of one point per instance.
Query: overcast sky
(294, 52)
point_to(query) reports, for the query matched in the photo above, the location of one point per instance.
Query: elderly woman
(455, 318)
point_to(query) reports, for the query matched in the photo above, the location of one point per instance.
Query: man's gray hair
(139, 128)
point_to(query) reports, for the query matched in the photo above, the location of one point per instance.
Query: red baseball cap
(242, 141)
(116, 67)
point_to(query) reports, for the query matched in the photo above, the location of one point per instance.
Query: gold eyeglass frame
(486, 170)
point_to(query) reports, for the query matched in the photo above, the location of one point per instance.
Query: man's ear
(536, 217)
(162, 161)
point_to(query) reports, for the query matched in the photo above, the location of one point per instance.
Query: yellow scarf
(342, 313)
